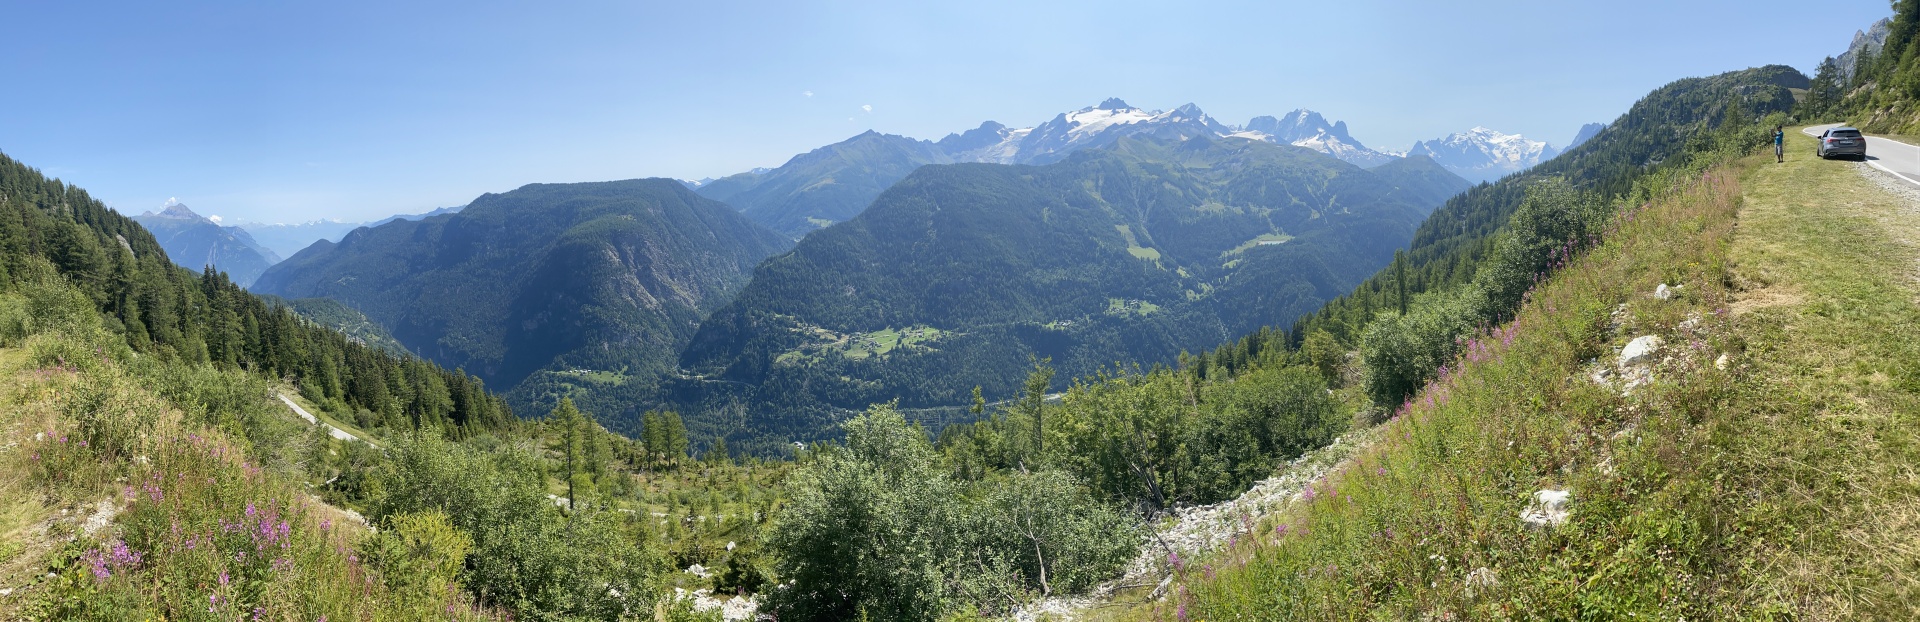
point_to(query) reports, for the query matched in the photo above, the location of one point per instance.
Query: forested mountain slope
(173, 314)
(959, 274)
(599, 276)
(195, 242)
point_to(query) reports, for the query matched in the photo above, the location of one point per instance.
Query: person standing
(1779, 144)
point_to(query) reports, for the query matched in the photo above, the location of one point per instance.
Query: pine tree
(569, 423)
(673, 436)
(1400, 279)
(1033, 402)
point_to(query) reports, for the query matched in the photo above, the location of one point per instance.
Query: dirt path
(332, 431)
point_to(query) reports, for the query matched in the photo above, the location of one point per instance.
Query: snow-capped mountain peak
(1484, 154)
(1111, 119)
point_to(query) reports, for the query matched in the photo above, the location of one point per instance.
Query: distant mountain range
(1586, 133)
(194, 242)
(287, 239)
(1481, 154)
(607, 276)
(834, 183)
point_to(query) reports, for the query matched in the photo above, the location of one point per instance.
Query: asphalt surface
(1892, 156)
(335, 432)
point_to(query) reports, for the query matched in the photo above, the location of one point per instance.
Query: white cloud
(867, 107)
(807, 93)
(171, 201)
(215, 218)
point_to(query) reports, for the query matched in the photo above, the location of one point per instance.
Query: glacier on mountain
(1482, 154)
(1094, 126)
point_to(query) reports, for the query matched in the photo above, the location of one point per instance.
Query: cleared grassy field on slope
(1780, 486)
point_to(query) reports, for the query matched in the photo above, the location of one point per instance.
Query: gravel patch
(1910, 204)
(1195, 531)
(1886, 181)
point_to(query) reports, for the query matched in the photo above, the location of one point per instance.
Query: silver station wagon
(1841, 141)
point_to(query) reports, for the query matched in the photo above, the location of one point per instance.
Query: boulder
(1640, 351)
(1549, 508)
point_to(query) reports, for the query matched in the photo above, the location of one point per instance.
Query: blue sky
(286, 111)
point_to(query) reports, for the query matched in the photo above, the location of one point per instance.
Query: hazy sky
(287, 111)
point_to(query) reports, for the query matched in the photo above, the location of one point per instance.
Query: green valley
(1115, 254)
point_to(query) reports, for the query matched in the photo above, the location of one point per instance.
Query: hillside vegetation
(1671, 126)
(1694, 490)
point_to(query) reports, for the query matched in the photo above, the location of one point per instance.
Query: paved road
(1901, 159)
(335, 432)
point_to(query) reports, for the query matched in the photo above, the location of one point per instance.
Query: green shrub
(418, 553)
(1404, 352)
(880, 529)
(527, 556)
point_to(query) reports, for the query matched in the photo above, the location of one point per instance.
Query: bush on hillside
(1403, 352)
(878, 529)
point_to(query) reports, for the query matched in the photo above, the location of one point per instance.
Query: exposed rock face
(1865, 43)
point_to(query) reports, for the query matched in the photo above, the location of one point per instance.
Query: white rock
(729, 545)
(103, 513)
(1481, 580)
(1640, 350)
(1666, 293)
(1720, 363)
(39, 436)
(1549, 508)
(697, 570)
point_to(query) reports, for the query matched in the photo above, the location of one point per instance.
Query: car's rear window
(1847, 134)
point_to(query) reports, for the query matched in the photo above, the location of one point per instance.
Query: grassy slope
(1782, 486)
(184, 498)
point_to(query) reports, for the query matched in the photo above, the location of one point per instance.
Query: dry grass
(1837, 385)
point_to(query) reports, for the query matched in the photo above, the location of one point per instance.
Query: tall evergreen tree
(569, 426)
